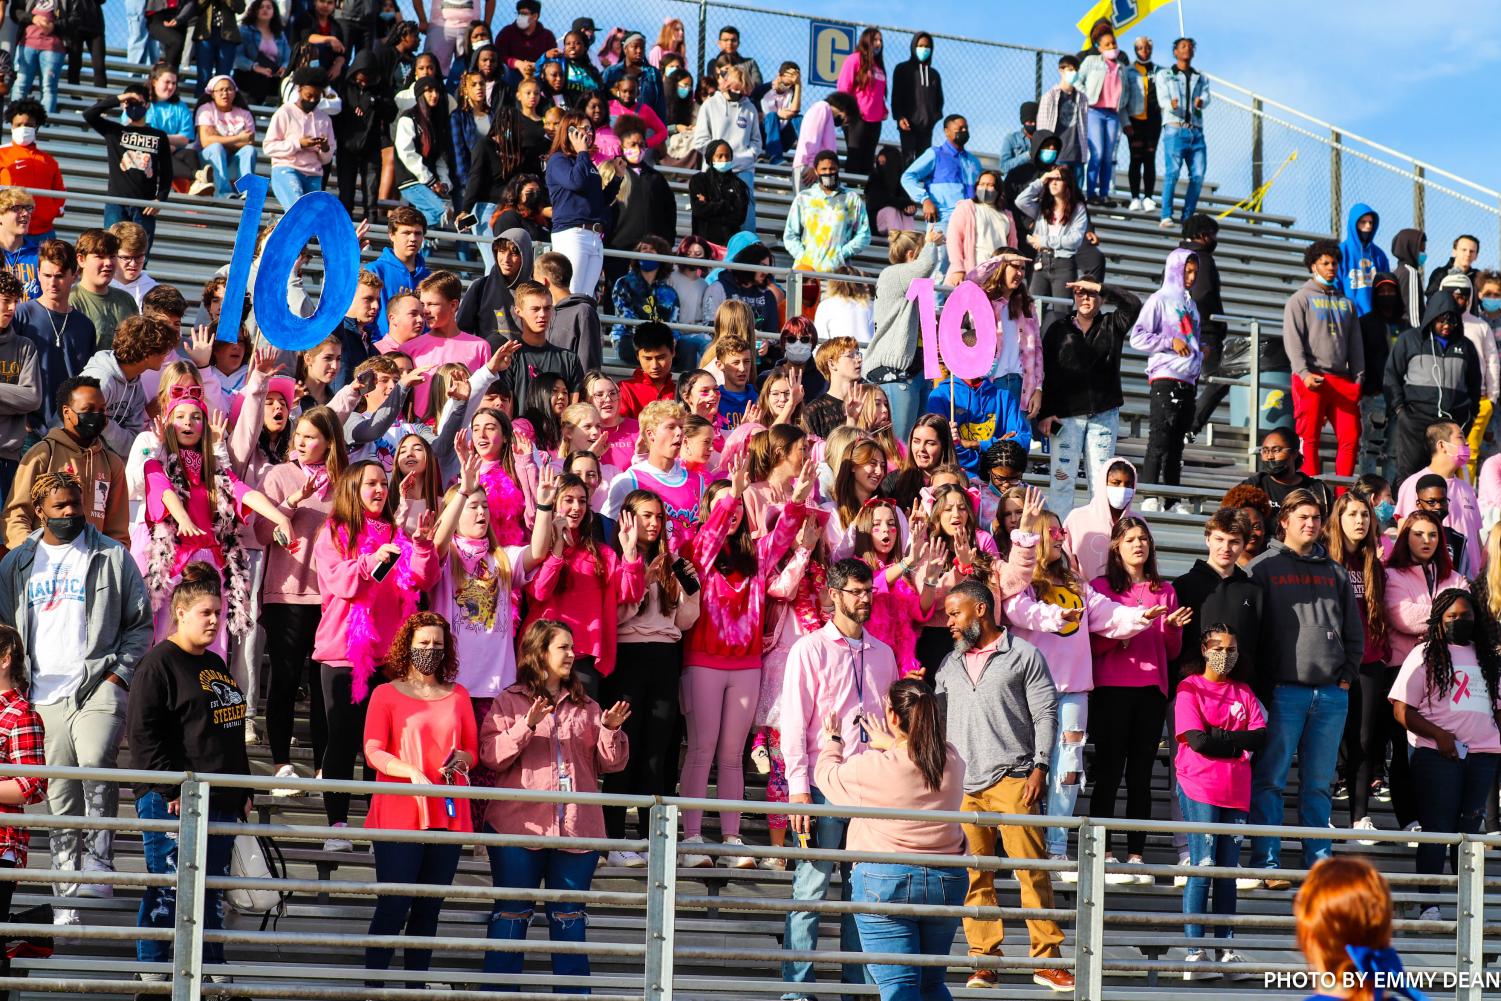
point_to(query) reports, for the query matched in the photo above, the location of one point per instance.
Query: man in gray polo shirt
(1001, 719)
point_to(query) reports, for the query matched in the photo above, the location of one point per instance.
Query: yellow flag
(1124, 14)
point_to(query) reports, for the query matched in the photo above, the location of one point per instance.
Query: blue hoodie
(1170, 313)
(984, 414)
(395, 279)
(1360, 262)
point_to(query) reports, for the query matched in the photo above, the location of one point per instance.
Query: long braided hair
(1438, 664)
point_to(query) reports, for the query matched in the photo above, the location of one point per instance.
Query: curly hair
(50, 482)
(1245, 495)
(1438, 663)
(399, 657)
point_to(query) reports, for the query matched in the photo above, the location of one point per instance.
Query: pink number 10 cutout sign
(943, 339)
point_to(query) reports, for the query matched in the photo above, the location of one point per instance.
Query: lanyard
(859, 676)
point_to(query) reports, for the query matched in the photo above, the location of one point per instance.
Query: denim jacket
(1170, 88)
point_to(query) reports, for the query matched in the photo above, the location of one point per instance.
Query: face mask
(388, 16)
(1119, 497)
(1068, 78)
(724, 168)
(798, 352)
(985, 196)
(66, 529)
(1047, 156)
(1221, 662)
(1109, 54)
(427, 661)
(307, 106)
(1326, 282)
(1460, 632)
(633, 155)
(961, 138)
(731, 95)
(1488, 304)
(1277, 467)
(875, 50)
(1463, 455)
(1385, 512)
(924, 53)
(25, 135)
(1422, 257)
(829, 181)
(90, 427)
(649, 273)
(684, 91)
(523, 21)
(135, 111)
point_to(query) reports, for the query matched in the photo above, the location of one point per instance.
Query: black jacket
(721, 211)
(1206, 290)
(1082, 372)
(1376, 334)
(1431, 381)
(917, 92)
(1439, 274)
(650, 210)
(1235, 600)
(368, 112)
(1409, 273)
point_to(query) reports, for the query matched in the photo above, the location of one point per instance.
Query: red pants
(1336, 400)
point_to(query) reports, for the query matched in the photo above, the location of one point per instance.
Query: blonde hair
(903, 245)
(571, 416)
(659, 412)
(848, 290)
(11, 198)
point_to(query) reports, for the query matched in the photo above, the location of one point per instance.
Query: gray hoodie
(119, 615)
(1004, 725)
(20, 390)
(893, 344)
(124, 402)
(1311, 629)
(1322, 333)
(575, 327)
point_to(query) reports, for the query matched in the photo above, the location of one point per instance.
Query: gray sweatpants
(86, 737)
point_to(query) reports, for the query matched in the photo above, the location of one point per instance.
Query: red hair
(1343, 902)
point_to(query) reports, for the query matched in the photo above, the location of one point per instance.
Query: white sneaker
(1416, 828)
(761, 757)
(1430, 913)
(1194, 957)
(738, 861)
(1249, 883)
(1135, 205)
(1067, 875)
(1147, 204)
(1182, 507)
(286, 772)
(1364, 824)
(1140, 878)
(625, 860)
(1231, 956)
(1181, 881)
(1117, 878)
(96, 891)
(1150, 505)
(252, 732)
(338, 844)
(1169, 224)
(62, 916)
(691, 861)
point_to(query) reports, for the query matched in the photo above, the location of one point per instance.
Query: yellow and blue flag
(1124, 14)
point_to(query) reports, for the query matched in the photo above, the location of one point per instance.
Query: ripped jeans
(1090, 437)
(159, 903)
(1067, 756)
(529, 868)
(1210, 849)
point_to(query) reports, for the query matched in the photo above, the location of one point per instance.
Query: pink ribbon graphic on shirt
(1463, 687)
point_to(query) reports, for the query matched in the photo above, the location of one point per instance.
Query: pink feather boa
(507, 505)
(363, 641)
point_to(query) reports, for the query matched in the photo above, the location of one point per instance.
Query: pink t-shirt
(1110, 90)
(1464, 711)
(225, 123)
(1229, 705)
(199, 510)
(423, 734)
(429, 349)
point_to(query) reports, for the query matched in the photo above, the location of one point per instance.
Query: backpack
(258, 858)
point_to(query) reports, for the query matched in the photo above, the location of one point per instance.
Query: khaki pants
(985, 937)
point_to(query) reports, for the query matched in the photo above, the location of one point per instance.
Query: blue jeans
(32, 64)
(777, 135)
(140, 48)
(131, 213)
(908, 400)
(529, 868)
(213, 58)
(482, 212)
(433, 865)
(289, 184)
(909, 884)
(1182, 147)
(1210, 849)
(425, 200)
(1067, 756)
(1309, 722)
(219, 157)
(1103, 129)
(159, 903)
(811, 881)
(1090, 438)
(1451, 800)
(690, 348)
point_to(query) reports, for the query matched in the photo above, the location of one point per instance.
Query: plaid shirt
(20, 744)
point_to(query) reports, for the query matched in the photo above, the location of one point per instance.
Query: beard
(969, 637)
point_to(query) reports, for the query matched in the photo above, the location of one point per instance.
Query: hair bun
(201, 572)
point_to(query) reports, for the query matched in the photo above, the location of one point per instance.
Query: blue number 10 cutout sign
(317, 214)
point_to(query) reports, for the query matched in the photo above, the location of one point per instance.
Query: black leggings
(96, 56)
(171, 40)
(289, 645)
(1125, 725)
(346, 732)
(1142, 171)
(647, 676)
(861, 138)
(1375, 728)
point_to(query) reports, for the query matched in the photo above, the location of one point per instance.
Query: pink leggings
(720, 706)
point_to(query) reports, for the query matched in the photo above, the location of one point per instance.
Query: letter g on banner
(319, 215)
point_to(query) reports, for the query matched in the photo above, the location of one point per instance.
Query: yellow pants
(984, 936)
(1477, 435)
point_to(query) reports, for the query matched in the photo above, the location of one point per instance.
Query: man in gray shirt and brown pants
(1001, 719)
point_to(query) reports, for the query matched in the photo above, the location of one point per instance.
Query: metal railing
(656, 944)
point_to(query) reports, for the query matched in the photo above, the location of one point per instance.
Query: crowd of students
(489, 562)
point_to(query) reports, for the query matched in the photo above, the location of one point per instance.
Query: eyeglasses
(1272, 451)
(798, 339)
(605, 394)
(1004, 483)
(858, 594)
(1056, 534)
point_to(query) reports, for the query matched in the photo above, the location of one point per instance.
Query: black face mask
(1460, 632)
(66, 529)
(90, 426)
(961, 138)
(1278, 467)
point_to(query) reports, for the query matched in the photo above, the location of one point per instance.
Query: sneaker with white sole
(1147, 204)
(1181, 881)
(1117, 878)
(1415, 828)
(1140, 878)
(286, 772)
(1249, 883)
(761, 757)
(1232, 957)
(64, 916)
(338, 844)
(1364, 824)
(737, 861)
(1169, 224)
(625, 860)
(1194, 958)
(1135, 205)
(1151, 505)
(252, 732)
(693, 861)
(1067, 875)
(1431, 913)
(96, 891)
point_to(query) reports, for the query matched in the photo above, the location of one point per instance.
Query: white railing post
(1089, 909)
(192, 862)
(1469, 923)
(661, 900)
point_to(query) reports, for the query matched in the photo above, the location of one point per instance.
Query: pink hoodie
(1409, 602)
(1141, 660)
(1086, 530)
(1066, 645)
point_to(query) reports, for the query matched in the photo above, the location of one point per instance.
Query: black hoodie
(1439, 274)
(1235, 600)
(368, 112)
(1377, 331)
(1406, 246)
(1433, 381)
(649, 209)
(1082, 372)
(485, 310)
(917, 91)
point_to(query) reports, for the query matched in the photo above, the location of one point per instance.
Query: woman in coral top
(545, 733)
(420, 729)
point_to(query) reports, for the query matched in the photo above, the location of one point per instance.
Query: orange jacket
(29, 167)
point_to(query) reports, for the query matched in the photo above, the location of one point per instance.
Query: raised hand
(853, 401)
(547, 486)
(1032, 505)
(802, 487)
(416, 375)
(500, 360)
(427, 524)
(201, 346)
(628, 532)
(469, 473)
(266, 360)
(740, 475)
(1180, 617)
(807, 536)
(615, 715)
(411, 486)
(540, 710)
(218, 426)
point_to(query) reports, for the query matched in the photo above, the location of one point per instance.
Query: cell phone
(1462, 749)
(280, 538)
(465, 221)
(689, 581)
(385, 567)
(453, 765)
(366, 380)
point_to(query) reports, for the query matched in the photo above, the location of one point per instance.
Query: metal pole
(661, 900)
(192, 857)
(1469, 931)
(1258, 149)
(1253, 442)
(1336, 193)
(1038, 97)
(703, 36)
(1419, 189)
(1089, 926)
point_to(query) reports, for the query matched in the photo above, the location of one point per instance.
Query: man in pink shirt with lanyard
(841, 671)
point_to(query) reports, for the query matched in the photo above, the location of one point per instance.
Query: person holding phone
(1447, 696)
(580, 201)
(420, 728)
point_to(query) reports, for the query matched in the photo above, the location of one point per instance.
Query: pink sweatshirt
(571, 589)
(523, 758)
(1141, 660)
(290, 578)
(830, 675)
(871, 98)
(1464, 516)
(1409, 603)
(890, 779)
(1066, 645)
(656, 132)
(430, 349)
(343, 578)
(288, 126)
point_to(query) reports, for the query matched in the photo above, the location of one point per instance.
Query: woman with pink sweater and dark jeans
(722, 655)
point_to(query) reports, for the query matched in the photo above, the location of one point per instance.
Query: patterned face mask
(1221, 662)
